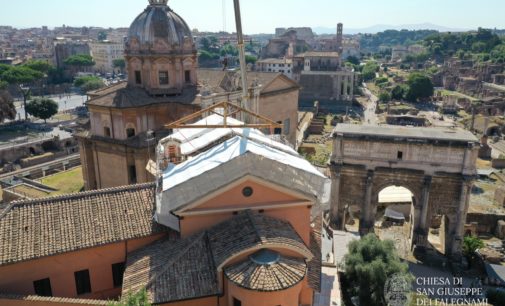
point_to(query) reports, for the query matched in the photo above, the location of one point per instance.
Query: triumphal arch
(437, 165)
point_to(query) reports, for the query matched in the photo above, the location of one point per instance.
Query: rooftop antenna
(241, 50)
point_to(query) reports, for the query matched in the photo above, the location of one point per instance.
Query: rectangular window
(138, 77)
(117, 274)
(287, 126)
(43, 287)
(132, 172)
(187, 76)
(400, 155)
(82, 282)
(163, 75)
(278, 131)
(237, 302)
(106, 131)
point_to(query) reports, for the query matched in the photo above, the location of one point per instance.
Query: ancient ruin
(436, 165)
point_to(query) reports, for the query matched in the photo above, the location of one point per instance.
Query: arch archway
(439, 172)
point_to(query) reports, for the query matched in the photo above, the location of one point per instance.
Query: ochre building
(164, 84)
(249, 234)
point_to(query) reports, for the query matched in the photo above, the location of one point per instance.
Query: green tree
(206, 56)
(470, 245)
(22, 77)
(495, 296)
(88, 83)
(420, 87)
(205, 42)
(7, 108)
(353, 60)
(138, 299)
(249, 59)
(79, 61)
(119, 63)
(384, 97)
(369, 71)
(368, 265)
(42, 108)
(92, 85)
(102, 36)
(381, 81)
(398, 92)
(38, 65)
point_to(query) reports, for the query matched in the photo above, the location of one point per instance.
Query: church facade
(164, 84)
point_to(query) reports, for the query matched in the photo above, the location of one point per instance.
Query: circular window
(247, 192)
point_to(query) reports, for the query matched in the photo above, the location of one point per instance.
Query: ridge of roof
(77, 195)
(167, 265)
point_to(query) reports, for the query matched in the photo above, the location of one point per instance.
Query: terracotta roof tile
(188, 268)
(172, 270)
(278, 276)
(50, 226)
(130, 97)
(52, 300)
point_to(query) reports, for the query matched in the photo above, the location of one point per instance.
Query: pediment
(235, 197)
(279, 83)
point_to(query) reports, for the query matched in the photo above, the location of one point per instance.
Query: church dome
(158, 27)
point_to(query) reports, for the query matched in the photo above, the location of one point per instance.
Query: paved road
(64, 102)
(371, 106)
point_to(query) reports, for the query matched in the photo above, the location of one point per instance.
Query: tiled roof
(278, 276)
(188, 269)
(249, 230)
(221, 81)
(173, 270)
(50, 226)
(52, 300)
(140, 140)
(122, 96)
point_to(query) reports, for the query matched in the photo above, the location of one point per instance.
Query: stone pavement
(330, 288)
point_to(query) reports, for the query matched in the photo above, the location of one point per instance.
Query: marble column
(367, 220)
(337, 212)
(422, 228)
(458, 232)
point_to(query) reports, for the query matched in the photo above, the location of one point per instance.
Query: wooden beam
(227, 106)
(255, 126)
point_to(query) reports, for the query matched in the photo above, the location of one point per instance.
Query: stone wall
(499, 196)
(486, 222)
(498, 163)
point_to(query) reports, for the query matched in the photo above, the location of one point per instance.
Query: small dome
(159, 23)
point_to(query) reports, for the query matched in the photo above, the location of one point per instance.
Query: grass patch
(29, 192)
(70, 181)
(446, 92)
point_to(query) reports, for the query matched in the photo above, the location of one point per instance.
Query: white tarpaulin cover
(231, 160)
(393, 214)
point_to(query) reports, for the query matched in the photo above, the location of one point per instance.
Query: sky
(260, 16)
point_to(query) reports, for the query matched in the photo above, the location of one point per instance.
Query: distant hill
(383, 27)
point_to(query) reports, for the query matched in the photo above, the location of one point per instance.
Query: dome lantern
(160, 51)
(158, 2)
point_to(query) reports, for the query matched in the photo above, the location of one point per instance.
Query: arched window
(130, 132)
